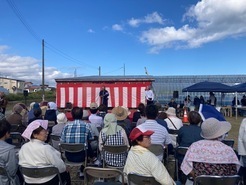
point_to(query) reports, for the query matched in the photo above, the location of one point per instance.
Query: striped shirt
(76, 132)
(160, 135)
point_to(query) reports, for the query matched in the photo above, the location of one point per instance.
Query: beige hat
(93, 105)
(213, 128)
(61, 118)
(120, 113)
(171, 111)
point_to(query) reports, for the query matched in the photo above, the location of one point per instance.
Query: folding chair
(92, 173)
(17, 139)
(114, 149)
(217, 180)
(55, 140)
(179, 153)
(136, 179)
(229, 142)
(3, 172)
(158, 150)
(73, 148)
(38, 172)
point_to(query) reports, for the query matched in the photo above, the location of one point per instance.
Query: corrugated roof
(107, 78)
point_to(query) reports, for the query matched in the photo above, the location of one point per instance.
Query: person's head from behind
(102, 108)
(141, 107)
(77, 112)
(109, 118)
(151, 111)
(4, 129)
(213, 129)
(93, 108)
(37, 130)
(140, 136)
(37, 112)
(162, 115)
(194, 118)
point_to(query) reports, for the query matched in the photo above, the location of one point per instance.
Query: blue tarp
(239, 88)
(208, 87)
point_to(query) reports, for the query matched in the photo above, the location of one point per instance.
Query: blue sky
(168, 37)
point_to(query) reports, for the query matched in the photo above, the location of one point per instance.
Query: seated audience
(37, 153)
(30, 114)
(93, 129)
(51, 112)
(161, 119)
(58, 128)
(160, 135)
(93, 118)
(37, 112)
(78, 131)
(210, 156)
(143, 162)
(242, 148)
(173, 123)
(15, 118)
(8, 158)
(122, 114)
(113, 134)
(139, 112)
(102, 110)
(191, 133)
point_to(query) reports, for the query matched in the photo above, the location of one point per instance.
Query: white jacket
(242, 138)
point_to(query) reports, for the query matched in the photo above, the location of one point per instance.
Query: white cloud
(3, 48)
(91, 31)
(150, 18)
(28, 69)
(208, 21)
(117, 27)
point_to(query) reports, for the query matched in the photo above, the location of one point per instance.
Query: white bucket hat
(213, 128)
(171, 111)
(61, 118)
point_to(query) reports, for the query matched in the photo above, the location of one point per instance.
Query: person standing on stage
(104, 96)
(149, 95)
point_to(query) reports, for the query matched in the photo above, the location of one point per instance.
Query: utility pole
(43, 70)
(99, 69)
(124, 70)
(146, 72)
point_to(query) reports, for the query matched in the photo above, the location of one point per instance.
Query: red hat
(139, 131)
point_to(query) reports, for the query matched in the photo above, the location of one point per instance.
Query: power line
(35, 35)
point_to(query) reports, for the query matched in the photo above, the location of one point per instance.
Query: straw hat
(120, 113)
(213, 128)
(93, 105)
(171, 111)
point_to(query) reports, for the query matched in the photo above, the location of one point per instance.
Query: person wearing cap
(160, 135)
(242, 148)
(37, 153)
(122, 114)
(210, 156)
(113, 134)
(173, 123)
(8, 158)
(94, 118)
(143, 162)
